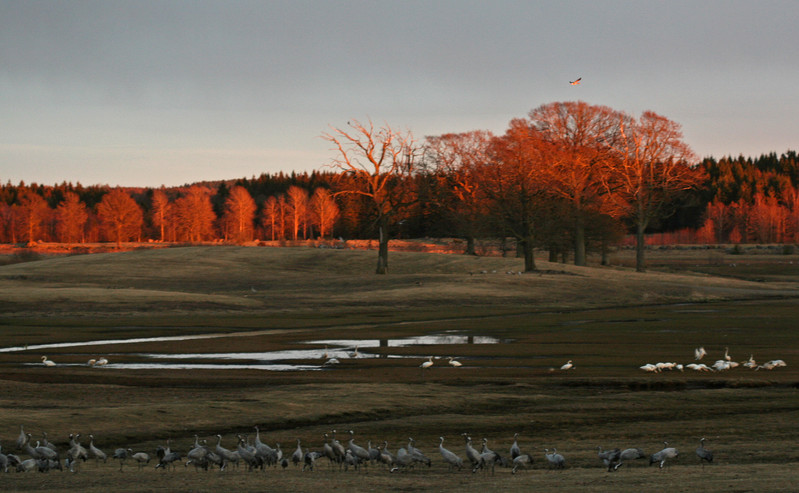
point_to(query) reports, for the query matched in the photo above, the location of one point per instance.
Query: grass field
(608, 321)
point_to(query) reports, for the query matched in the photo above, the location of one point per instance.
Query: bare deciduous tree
(239, 213)
(195, 214)
(160, 211)
(298, 209)
(380, 163)
(325, 211)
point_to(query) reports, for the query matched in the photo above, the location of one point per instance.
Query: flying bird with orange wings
(575, 82)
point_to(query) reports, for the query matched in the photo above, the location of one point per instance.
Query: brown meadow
(609, 321)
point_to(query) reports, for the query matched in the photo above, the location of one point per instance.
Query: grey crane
(76, 450)
(472, 454)
(46, 443)
(21, 438)
(141, 458)
(310, 459)
(451, 458)
(629, 454)
(386, 457)
(374, 453)
(338, 448)
(522, 461)
(704, 454)
(198, 454)
(358, 452)
(247, 454)
(403, 460)
(39, 452)
(489, 457)
(28, 465)
(296, 457)
(3, 461)
(227, 456)
(264, 451)
(611, 458)
(417, 454)
(662, 456)
(556, 460)
(351, 460)
(515, 451)
(95, 452)
(327, 451)
(166, 458)
(122, 454)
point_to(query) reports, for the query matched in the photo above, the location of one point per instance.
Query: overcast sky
(166, 92)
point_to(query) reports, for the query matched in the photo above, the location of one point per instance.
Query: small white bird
(454, 363)
(567, 366)
(650, 368)
(727, 354)
(575, 82)
(101, 362)
(699, 353)
(427, 364)
(47, 362)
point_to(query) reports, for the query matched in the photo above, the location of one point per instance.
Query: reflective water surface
(320, 357)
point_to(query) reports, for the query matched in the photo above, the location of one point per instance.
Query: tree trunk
(382, 249)
(470, 246)
(605, 251)
(640, 244)
(553, 254)
(529, 257)
(579, 242)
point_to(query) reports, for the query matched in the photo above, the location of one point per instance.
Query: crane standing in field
(451, 458)
(704, 454)
(662, 456)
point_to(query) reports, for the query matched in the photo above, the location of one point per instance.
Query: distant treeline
(740, 200)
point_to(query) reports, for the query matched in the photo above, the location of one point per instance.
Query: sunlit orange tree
(239, 214)
(72, 217)
(120, 216)
(654, 165)
(513, 187)
(455, 160)
(378, 164)
(580, 141)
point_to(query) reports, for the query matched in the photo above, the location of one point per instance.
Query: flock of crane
(720, 365)
(45, 456)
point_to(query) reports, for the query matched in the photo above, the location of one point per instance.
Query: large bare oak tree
(378, 164)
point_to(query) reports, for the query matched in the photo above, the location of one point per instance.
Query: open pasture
(608, 321)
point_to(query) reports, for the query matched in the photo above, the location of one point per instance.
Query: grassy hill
(299, 280)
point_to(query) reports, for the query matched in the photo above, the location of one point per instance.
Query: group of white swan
(92, 362)
(254, 454)
(719, 365)
(451, 361)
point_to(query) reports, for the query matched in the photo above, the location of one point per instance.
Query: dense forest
(569, 178)
(741, 200)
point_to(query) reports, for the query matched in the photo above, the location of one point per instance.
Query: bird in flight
(575, 82)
